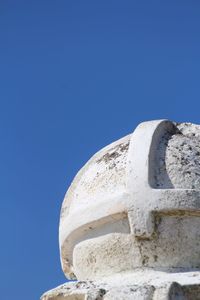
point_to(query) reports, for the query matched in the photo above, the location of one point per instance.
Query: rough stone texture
(140, 285)
(130, 220)
(179, 154)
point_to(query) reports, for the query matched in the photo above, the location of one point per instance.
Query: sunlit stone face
(88, 210)
(103, 175)
(135, 204)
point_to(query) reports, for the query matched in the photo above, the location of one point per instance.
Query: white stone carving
(130, 220)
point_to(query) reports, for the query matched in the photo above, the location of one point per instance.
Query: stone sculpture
(129, 226)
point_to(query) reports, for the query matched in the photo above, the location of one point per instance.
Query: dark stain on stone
(145, 260)
(102, 292)
(155, 257)
(114, 153)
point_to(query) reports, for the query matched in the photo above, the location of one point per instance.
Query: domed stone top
(135, 204)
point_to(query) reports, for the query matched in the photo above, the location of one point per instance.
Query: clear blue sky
(74, 76)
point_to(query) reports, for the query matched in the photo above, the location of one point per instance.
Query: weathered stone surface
(179, 154)
(130, 220)
(140, 285)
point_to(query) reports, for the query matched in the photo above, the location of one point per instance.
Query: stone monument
(130, 221)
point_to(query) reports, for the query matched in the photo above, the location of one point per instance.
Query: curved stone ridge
(130, 219)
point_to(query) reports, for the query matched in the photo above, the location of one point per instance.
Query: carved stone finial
(131, 218)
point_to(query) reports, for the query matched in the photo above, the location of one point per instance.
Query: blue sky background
(75, 76)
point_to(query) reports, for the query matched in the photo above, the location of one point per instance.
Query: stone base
(141, 285)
